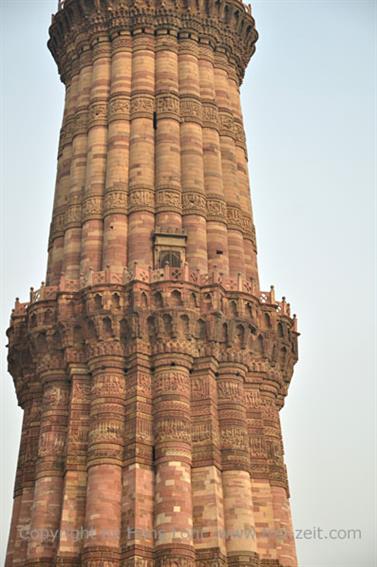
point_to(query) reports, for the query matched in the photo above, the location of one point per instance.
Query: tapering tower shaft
(152, 164)
(150, 367)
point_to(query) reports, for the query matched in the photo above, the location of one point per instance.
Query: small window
(173, 259)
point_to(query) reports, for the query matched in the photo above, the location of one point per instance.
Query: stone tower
(150, 367)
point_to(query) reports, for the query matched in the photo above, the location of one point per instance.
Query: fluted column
(72, 236)
(217, 234)
(25, 476)
(262, 495)
(48, 492)
(138, 471)
(92, 209)
(104, 461)
(141, 166)
(74, 492)
(192, 168)
(249, 241)
(56, 238)
(229, 168)
(238, 503)
(167, 127)
(118, 145)
(285, 544)
(207, 489)
(172, 431)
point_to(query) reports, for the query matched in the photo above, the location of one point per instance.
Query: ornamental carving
(171, 382)
(138, 561)
(121, 43)
(138, 429)
(55, 396)
(171, 561)
(51, 443)
(239, 135)
(92, 208)
(170, 429)
(194, 203)
(109, 385)
(191, 110)
(233, 437)
(99, 563)
(98, 114)
(144, 384)
(247, 226)
(77, 433)
(229, 391)
(248, 230)
(108, 431)
(116, 201)
(68, 130)
(257, 447)
(168, 104)
(142, 105)
(234, 218)
(253, 398)
(216, 210)
(80, 125)
(73, 215)
(170, 200)
(119, 108)
(226, 124)
(210, 115)
(201, 432)
(140, 199)
(57, 226)
(199, 388)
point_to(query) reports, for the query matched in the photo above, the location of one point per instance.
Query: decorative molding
(194, 203)
(210, 115)
(216, 210)
(234, 218)
(168, 200)
(142, 106)
(92, 208)
(140, 200)
(168, 106)
(191, 109)
(119, 108)
(116, 201)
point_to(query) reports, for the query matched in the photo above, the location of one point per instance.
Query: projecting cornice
(226, 25)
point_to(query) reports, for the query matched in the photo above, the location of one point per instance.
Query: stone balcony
(149, 276)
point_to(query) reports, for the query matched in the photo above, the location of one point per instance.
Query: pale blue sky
(309, 108)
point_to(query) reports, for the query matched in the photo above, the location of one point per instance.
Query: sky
(310, 117)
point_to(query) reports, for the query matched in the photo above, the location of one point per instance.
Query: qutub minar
(150, 367)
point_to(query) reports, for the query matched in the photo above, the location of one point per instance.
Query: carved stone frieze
(168, 200)
(116, 201)
(226, 124)
(140, 199)
(92, 208)
(119, 108)
(194, 203)
(216, 210)
(210, 115)
(97, 114)
(234, 218)
(191, 110)
(142, 106)
(167, 105)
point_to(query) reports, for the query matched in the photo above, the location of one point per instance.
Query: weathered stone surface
(150, 367)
